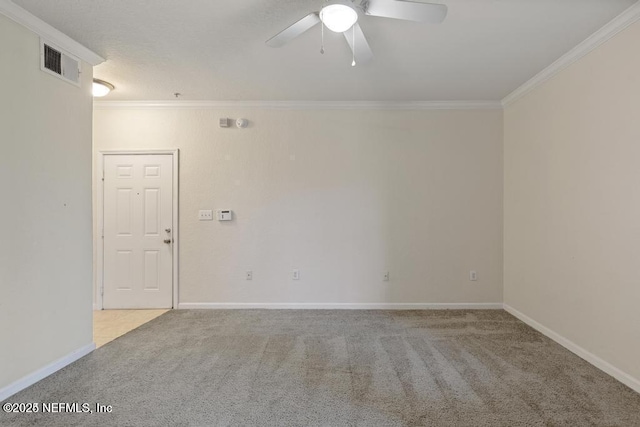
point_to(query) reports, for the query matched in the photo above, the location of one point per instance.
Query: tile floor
(110, 324)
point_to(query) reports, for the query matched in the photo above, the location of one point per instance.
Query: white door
(138, 245)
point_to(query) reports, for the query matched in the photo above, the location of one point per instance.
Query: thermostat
(224, 215)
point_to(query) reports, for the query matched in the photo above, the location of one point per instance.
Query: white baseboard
(342, 306)
(45, 371)
(599, 363)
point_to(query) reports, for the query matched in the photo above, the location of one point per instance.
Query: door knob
(167, 241)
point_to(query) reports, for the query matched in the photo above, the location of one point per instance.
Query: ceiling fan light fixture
(101, 88)
(339, 16)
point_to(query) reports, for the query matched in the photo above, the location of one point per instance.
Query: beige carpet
(334, 368)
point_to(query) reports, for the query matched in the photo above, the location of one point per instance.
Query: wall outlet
(295, 275)
(473, 276)
(248, 275)
(205, 215)
(385, 278)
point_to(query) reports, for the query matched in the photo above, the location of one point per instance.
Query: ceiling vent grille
(56, 62)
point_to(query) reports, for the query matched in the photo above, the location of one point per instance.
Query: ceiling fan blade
(293, 31)
(409, 11)
(362, 50)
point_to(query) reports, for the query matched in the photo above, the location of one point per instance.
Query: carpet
(332, 368)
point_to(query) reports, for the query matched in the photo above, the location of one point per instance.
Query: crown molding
(301, 105)
(615, 26)
(47, 32)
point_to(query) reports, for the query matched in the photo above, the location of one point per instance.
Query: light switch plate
(205, 215)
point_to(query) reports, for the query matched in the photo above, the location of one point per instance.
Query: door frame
(99, 280)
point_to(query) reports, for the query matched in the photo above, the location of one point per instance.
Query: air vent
(56, 62)
(52, 59)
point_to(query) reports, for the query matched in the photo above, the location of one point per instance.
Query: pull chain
(322, 38)
(353, 57)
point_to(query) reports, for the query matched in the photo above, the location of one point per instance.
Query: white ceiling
(215, 50)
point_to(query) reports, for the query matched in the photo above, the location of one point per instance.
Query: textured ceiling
(215, 50)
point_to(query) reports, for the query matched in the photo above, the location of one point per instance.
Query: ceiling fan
(342, 15)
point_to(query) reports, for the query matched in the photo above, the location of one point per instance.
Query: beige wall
(418, 193)
(572, 203)
(45, 176)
